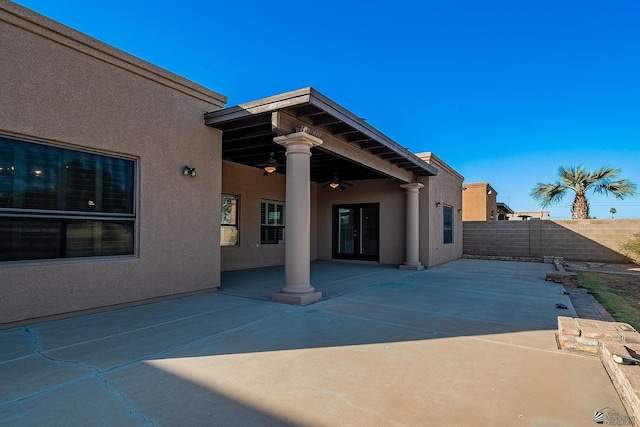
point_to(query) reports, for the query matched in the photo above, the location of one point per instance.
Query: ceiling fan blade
(346, 183)
(271, 161)
(342, 187)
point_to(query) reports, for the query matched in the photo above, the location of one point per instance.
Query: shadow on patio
(386, 346)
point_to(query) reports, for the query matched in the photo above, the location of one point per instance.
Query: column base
(296, 299)
(418, 267)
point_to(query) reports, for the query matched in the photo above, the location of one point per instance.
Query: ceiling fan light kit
(270, 166)
(336, 183)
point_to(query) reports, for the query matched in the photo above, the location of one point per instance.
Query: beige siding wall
(446, 188)
(388, 194)
(595, 240)
(252, 186)
(60, 86)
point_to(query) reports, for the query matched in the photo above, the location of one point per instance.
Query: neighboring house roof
(352, 148)
(503, 207)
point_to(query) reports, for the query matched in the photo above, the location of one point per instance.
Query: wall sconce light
(438, 204)
(488, 191)
(186, 171)
(464, 188)
(460, 210)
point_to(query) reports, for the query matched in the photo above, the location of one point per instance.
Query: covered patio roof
(351, 147)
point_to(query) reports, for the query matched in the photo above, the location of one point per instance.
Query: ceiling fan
(270, 165)
(336, 183)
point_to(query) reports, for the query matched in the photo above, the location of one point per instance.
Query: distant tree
(580, 181)
(613, 211)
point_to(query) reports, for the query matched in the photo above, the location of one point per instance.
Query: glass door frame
(358, 233)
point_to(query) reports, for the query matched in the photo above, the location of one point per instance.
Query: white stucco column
(413, 227)
(297, 288)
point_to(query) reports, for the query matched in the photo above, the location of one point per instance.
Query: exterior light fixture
(336, 183)
(460, 210)
(270, 165)
(187, 170)
(438, 204)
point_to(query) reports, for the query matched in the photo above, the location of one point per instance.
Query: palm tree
(580, 181)
(613, 212)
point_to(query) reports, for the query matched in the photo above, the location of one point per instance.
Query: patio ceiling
(352, 148)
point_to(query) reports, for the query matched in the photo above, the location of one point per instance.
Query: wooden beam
(284, 124)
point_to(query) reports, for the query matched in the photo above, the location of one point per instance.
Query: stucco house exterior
(479, 202)
(527, 215)
(503, 211)
(121, 182)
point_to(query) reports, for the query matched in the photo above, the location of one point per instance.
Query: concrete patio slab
(467, 343)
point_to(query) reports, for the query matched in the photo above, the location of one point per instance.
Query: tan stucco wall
(477, 203)
(251, 185)
(446, 188)
(63, 87)
(388, 194)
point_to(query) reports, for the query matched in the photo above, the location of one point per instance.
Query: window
(229, 222)
(271, 222)
(447, 224)
(63, 203)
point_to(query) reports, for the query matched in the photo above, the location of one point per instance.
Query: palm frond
(575, 177)
(605, 172)
(547, 194)
(621, 188)
(578, 179)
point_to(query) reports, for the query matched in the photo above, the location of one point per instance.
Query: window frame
(447, 227)
(234, 222)
(269, 228)
(65, 219)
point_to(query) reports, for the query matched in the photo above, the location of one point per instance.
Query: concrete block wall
(596, 240)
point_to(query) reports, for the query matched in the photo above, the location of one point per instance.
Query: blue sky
(504, 91)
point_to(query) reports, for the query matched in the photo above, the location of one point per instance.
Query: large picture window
(229, 221)
(62, 203)
(271, 222)
(447, 224)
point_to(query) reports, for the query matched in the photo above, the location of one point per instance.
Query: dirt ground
(632, 269)
(623, 279)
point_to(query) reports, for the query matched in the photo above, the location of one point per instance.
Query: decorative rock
(618, 345)
(625, 377)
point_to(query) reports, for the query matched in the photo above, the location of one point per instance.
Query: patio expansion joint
(38, 351)
(445, 334)
(96, 373)
(427, 312)
(99, 373)
(131, 331)
(126, 403)
(351, 278)
(45, 353)
(198, 341)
